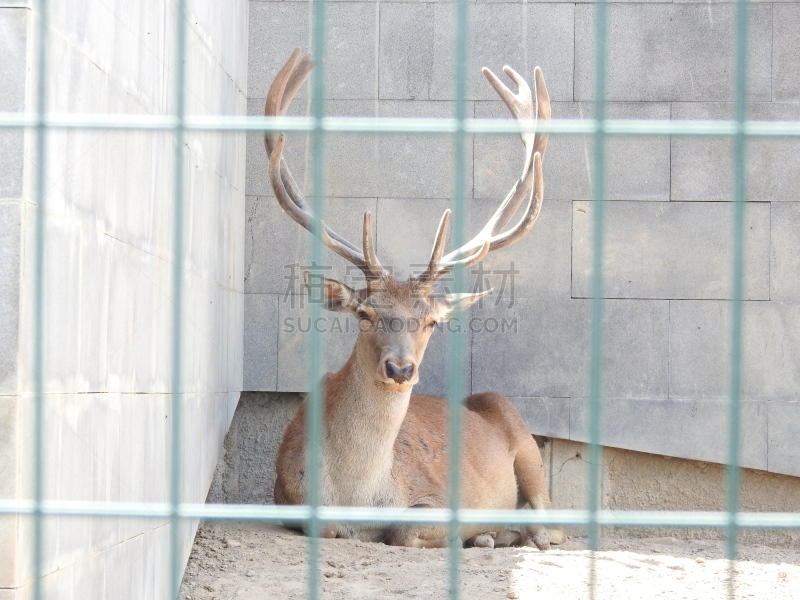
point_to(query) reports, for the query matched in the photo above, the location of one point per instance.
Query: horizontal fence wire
(739, 129)
(392, 125)
(421, 516)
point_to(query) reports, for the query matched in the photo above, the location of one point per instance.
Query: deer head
(398, 317)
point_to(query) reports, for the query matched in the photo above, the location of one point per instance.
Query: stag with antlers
(384, 446)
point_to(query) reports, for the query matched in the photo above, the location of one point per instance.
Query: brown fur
(383, 446)
(388, 447)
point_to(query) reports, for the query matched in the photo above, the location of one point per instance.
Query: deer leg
(508, 538)
(529, 470)
(482, 540)
(434, 536)
(326, 530)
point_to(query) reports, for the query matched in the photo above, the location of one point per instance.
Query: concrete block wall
(669, 223)
(108, 292)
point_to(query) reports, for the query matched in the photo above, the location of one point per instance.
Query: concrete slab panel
(500, 34)
(278, 250)
(59, 585)
(538, 347)
(277, 28)
(129, 559)
(414, 166)
(670, 250)
(636, 349)
(786, 52)
(261, 342)
(245, 473)
(75, 481)
(50, 433)
(672, 52)
(90, 577)
(536, 266)
(545, 416)
(785, 251)
(405, 245)
(14, 36)
(406, 230)
(434, 371)
(700, 350)
(13, 70)
(636, 168)
(406, 58)
(544, 349)
(692, 429)
(107, 275)
(366, 165)
(106, 466)
(10, 256)
(338, 332)
(784, 428)
(9, 463)
(702, 168)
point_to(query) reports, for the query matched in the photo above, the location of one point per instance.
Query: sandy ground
(250, 561)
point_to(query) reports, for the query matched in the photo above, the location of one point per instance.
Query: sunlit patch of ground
(257, 562)
(655, 570)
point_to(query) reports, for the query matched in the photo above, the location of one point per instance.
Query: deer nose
(399, 374)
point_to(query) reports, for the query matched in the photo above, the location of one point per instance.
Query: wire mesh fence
(460, 127)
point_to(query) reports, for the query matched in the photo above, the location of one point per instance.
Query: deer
(382, 445)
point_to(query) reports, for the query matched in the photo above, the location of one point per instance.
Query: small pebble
(699, 560)
(249, 573)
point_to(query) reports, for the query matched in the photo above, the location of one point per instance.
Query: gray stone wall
(108, 292)
(669, 223)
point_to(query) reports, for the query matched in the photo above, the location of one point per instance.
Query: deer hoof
(507, 538)
(484, 540)
(541, 540)
(327, 531)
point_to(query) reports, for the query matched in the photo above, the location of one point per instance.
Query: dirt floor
(257, 562)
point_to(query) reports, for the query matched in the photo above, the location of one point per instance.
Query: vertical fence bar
(315, 403)
(315, 397)
(455, 388)
(596, 360)
(739, 196)
(38, 327)
(177, 301)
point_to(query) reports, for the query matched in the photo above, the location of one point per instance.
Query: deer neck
(361, 425)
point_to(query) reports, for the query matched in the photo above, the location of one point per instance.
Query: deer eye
(430, 324)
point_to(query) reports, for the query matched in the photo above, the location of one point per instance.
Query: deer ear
(447, 305)
(333, 294)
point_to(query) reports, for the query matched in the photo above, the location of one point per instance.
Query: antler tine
(527, 108)
(373, 270)
(300, 73)
(532, 211)
(543, 109)
(438, 245)
(273, 105)
(430, 275)
(301, 217)
(467, 261)
(285, 86)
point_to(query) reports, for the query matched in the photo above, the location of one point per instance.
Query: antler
(527, 109)
(283, 89)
